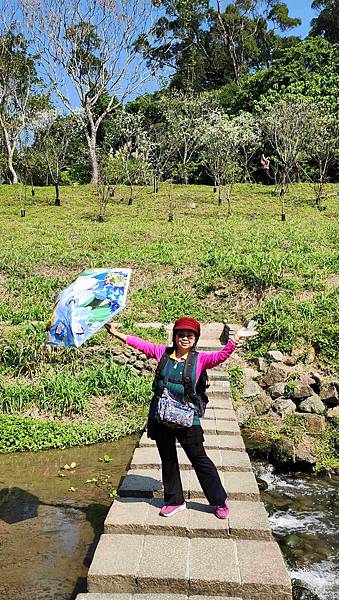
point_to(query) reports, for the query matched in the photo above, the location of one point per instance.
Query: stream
(303, 513)
(51, 517)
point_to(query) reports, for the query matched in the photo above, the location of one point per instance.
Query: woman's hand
(111, 328)
(243, 332)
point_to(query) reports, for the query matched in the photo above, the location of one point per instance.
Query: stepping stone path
(192, 555)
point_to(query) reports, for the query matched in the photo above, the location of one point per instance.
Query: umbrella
(86, 305)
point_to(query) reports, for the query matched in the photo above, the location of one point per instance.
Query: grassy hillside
(203, 264)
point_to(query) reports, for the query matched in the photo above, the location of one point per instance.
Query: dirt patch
(304, 295)
(332, 281)
(2, 284)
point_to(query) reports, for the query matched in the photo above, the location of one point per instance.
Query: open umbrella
(86, 305)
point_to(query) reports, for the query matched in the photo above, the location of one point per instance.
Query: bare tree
(89, 52)
(184, 118)
(286, 127)
(322, 148)
(54, 132)
(220, 154)
(19, 92)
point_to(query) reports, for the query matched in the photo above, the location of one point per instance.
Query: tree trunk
(57, 195)
(10, 165)
(219, 195)
(130, 199)
(94, 160)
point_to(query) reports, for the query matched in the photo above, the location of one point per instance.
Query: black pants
(191, 440)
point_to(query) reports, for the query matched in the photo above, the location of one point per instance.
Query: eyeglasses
(189, 336)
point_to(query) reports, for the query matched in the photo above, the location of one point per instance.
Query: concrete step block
(115, 564)
(235, 461)
(164, 566)
(149, 597)
(214, 426)
(153, 564)
(142, 483)
(241, 486)
(213, 567)
(219, 402)
(148, 458)
(263, 571)
(225, 414)
(226, 442)
(217, 375)
(146, 483)
(140, 516)
(249, 521)
(217, 388)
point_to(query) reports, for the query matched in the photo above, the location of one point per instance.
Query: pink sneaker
(223, 511)
(168, 511)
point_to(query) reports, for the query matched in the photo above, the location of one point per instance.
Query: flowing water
(304, 519)
(50, 519)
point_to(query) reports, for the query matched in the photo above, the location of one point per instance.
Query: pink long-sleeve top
(206, 360)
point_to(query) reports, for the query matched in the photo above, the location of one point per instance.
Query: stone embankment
(143, 556)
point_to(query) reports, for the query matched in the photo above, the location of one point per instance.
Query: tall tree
(20, 96)
(209, 43)
(88, 51)
(326, 23)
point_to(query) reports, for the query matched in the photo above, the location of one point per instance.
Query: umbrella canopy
(86, 305)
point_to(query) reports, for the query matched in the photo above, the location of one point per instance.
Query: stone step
(224, 414)
(219, 402)
(103, 596)
(217, 375)
(250, 569)
(218, 387)
(140, 516)
(146, 483)
(222, 442)
(148, 458)
(220, 427)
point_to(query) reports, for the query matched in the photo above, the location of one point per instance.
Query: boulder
(313, 404)
(282, 453)
(251, 389)
(121, 359)
(314, 424)
(139, 365)
(333, 413)
(302, 390)
(307, 379)
(277, 390)
(303, 455)
(317, 377)
(277, 372)
(262, 404)
(330, 396)
(310, 356)
(244, 412)
(276, 355)
(249, 373)
(284, 406)
(301, 591)
(261, 364)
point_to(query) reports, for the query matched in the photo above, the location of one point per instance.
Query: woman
(186, 332)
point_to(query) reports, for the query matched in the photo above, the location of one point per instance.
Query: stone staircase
(142, 556)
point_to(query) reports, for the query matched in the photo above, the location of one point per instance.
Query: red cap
(187, 323)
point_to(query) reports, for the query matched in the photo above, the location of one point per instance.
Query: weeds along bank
(249, 265)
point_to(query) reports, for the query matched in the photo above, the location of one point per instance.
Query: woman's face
(185, 339)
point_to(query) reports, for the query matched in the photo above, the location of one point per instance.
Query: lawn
(284, 274)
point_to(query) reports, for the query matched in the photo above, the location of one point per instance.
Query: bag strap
(161, 364)
(187, 375)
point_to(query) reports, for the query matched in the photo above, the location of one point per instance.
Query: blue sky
(302, 9)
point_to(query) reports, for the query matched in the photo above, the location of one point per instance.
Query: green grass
(285, 275)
